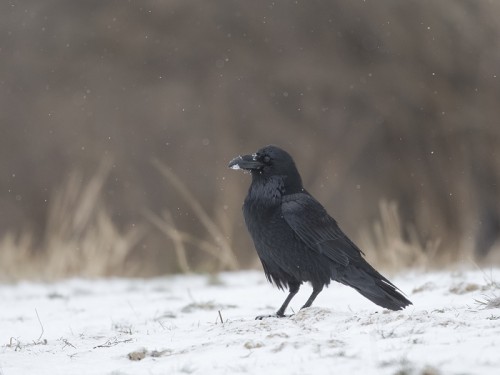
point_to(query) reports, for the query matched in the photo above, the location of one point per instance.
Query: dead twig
(112, 342)
(41, 325)
(67, 343)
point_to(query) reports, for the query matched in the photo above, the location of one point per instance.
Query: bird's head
(267, 162)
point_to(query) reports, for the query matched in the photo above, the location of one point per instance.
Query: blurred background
(118, 119)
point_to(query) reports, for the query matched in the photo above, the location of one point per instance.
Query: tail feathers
(375, 287)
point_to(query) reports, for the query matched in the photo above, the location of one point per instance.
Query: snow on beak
(247, 162)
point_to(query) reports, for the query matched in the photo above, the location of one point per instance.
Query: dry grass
(392, 244)
(80, 239)
(392, 249)
(17, 258)
(218, 246)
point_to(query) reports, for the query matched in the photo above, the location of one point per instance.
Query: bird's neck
(293, 184)
(266, 191)
(269, 190)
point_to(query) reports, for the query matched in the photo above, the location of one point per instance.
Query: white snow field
(173, 325)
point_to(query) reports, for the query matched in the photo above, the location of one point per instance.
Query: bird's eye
(267, 159)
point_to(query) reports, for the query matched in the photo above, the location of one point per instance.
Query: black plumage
(297, 241)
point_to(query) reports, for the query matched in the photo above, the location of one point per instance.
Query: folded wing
(318, 230)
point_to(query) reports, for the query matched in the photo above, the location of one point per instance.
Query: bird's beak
(247, 162)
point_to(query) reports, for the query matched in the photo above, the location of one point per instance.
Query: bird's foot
(261, 317)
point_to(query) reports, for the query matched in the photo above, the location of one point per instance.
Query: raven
(297, 241)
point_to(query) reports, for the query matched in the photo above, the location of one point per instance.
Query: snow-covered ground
(205, 325)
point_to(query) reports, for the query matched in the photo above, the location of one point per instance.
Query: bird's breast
(267, 228)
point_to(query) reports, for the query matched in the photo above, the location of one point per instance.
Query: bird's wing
(319, 231)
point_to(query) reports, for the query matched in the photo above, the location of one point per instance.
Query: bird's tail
(371, 284)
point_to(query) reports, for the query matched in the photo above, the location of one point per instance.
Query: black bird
(296, 239)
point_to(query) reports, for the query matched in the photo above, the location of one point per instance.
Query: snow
(173, 325)
(233, 164)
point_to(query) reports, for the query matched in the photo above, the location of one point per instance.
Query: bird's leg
(316, 290)
(293, 289)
